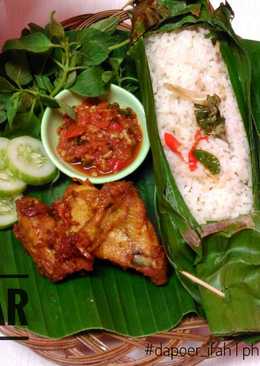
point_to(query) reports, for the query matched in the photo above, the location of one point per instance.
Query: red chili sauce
(103, 139)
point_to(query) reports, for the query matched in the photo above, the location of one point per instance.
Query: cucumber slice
(29, 162)
(10, 186)
(8, 215)
(3, 148)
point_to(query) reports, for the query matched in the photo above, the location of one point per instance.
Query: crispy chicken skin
(126, 236)
(44, 238)
(110, 224)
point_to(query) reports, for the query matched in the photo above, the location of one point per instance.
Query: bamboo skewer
(203, 283)
(129, 3)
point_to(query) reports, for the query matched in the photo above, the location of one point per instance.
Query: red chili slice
(199, 137)
(74, 131)
(193, 161)
(173, 144)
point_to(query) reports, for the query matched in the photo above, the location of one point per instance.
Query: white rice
(189, 59)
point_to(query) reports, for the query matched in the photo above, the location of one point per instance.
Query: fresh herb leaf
(107, 76)
(44, 83)
(3, 101)
(89, 83)
(6, 86)
(55, 28)
(88, 35)
(41, 63)
(76, 59)
(12, 107)
(49, 101)
(108, 25)
(17, 69)
(26, 102)
(3, 116)
(209, 118)
(73, 35)
(50, 60)
(115, 63)
(67, 109)
(70, 79)
(23, 124)
(208, 160)
(94, 53)
(35, 42)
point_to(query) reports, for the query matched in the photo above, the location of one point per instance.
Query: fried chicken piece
(116, 227)
(126, 237)
(51, 247)
(82, 210)
(110, 223)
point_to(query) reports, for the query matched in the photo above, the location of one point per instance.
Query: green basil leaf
(55, 28)
(43, 83)
(49, 101)
(12, 107)
(94, 53)
(88, 35)
(26, 102)
(73, 35)
(107, 76)
(3, 116)
(89, 83)
(6, 86)
(71, 79)
(76, 59)
(208, 160)
(3, 100)
(67, 109)
(17, 69)
(108, 25)
(116, 62)
(24, 124)
(35, 42)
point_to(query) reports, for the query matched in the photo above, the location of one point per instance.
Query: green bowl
(52, 120)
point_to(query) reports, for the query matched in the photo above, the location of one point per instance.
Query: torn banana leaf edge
(177, 225)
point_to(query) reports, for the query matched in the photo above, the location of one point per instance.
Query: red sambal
(103, 138)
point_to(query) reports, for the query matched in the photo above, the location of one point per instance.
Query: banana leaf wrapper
(212, 251)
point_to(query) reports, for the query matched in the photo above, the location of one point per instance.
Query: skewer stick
(129, 3)
(202, 283)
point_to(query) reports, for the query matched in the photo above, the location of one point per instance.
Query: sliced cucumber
(8, 214)
(28, 161)
(3, 148)
(10, 186)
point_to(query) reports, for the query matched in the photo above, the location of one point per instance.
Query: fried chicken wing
(127, 238)
(116, 227)
(108, 223)
(51, 247)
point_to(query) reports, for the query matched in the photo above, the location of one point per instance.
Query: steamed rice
(189, 59)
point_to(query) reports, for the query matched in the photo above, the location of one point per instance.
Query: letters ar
(17, 300)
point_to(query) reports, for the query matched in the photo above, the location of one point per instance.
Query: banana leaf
(109, 298)
(177, 225)
(233, 264)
